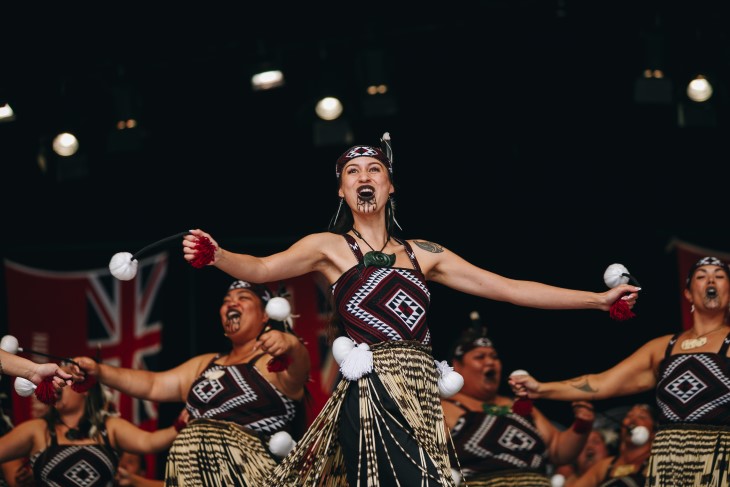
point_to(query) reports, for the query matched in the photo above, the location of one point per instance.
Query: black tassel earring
(333, 221)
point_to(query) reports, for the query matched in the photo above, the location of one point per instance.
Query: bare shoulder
(427, 246)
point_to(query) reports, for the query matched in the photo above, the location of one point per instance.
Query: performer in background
(690, 373)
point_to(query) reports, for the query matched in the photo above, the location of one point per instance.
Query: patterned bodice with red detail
(379, 304)
(694, 387)
(240, 394)
(487, 443)
(75, 465)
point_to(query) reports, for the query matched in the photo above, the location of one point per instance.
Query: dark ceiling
(542, 115)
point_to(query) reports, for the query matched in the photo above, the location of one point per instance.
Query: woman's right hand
(524, 386)
(86, 366)
(190, 246)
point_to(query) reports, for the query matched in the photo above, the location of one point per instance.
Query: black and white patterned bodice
(240, 394)
(380, 304)
(694, 387)
(487, 443)
(75, 465)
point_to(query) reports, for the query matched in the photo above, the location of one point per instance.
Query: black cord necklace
(376, 258)
(71, 434)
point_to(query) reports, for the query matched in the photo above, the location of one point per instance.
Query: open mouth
(711, 292)
(490, 375)
(366, 193)
(233, 315)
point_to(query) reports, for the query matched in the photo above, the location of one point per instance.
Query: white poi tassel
(341, 347)
(450, 382)
(281, 443)
(357, 363)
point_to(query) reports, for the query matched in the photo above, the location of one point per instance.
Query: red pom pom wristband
(179, 424)
(582, 426)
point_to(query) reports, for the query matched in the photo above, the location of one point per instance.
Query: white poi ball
(10, 344)
(557, 480)
(519, 372)
(278, 308)
(24, 387)
(456, 476)
(341, 347)
(613, 275)
(639, 435)
(450, 383)
(122, 266)
(281, 443)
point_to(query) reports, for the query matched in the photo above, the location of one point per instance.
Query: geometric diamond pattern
(489, 442)
(82, 474)
(406, 308)
(694, 387)
(241, 395)
(685, 387)
(516, 439)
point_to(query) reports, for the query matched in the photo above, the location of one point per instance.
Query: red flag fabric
(88, 313)
(687, 255)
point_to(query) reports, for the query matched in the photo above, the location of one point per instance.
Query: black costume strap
(353, 246)
(671, 343)
(411, 255)
(725, 345)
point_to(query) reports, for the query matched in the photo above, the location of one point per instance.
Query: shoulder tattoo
(429, 246)
(581, 383)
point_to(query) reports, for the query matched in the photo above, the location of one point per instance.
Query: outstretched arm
(636, 373)
(167, 386)
(306, 255)
(14, 365)
(447, 268)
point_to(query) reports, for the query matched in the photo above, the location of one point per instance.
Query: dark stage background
(537, 164)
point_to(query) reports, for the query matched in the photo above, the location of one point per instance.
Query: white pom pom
(122, 266)
(341, 347)
(10, 344)
(278, 308)
(357, 363)
(613, 275)
(639, 435)
(557, 480)
(519, 372)
(456, 477)
(24, 387)
(386, 136)
(281, 443)
(450, 382)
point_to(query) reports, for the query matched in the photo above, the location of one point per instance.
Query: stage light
(267, 79)
(329, 108)
(699, 89)
(6, 112)
(65, 144)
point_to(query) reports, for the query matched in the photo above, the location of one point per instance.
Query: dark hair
(94, 417)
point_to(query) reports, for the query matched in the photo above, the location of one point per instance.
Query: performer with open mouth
(237, 403)
(690, 371)
(383, 425)
(495, 444)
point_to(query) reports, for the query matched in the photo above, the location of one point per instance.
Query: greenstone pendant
(375, 258)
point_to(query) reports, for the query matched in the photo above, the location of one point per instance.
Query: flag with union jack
(91, 313)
